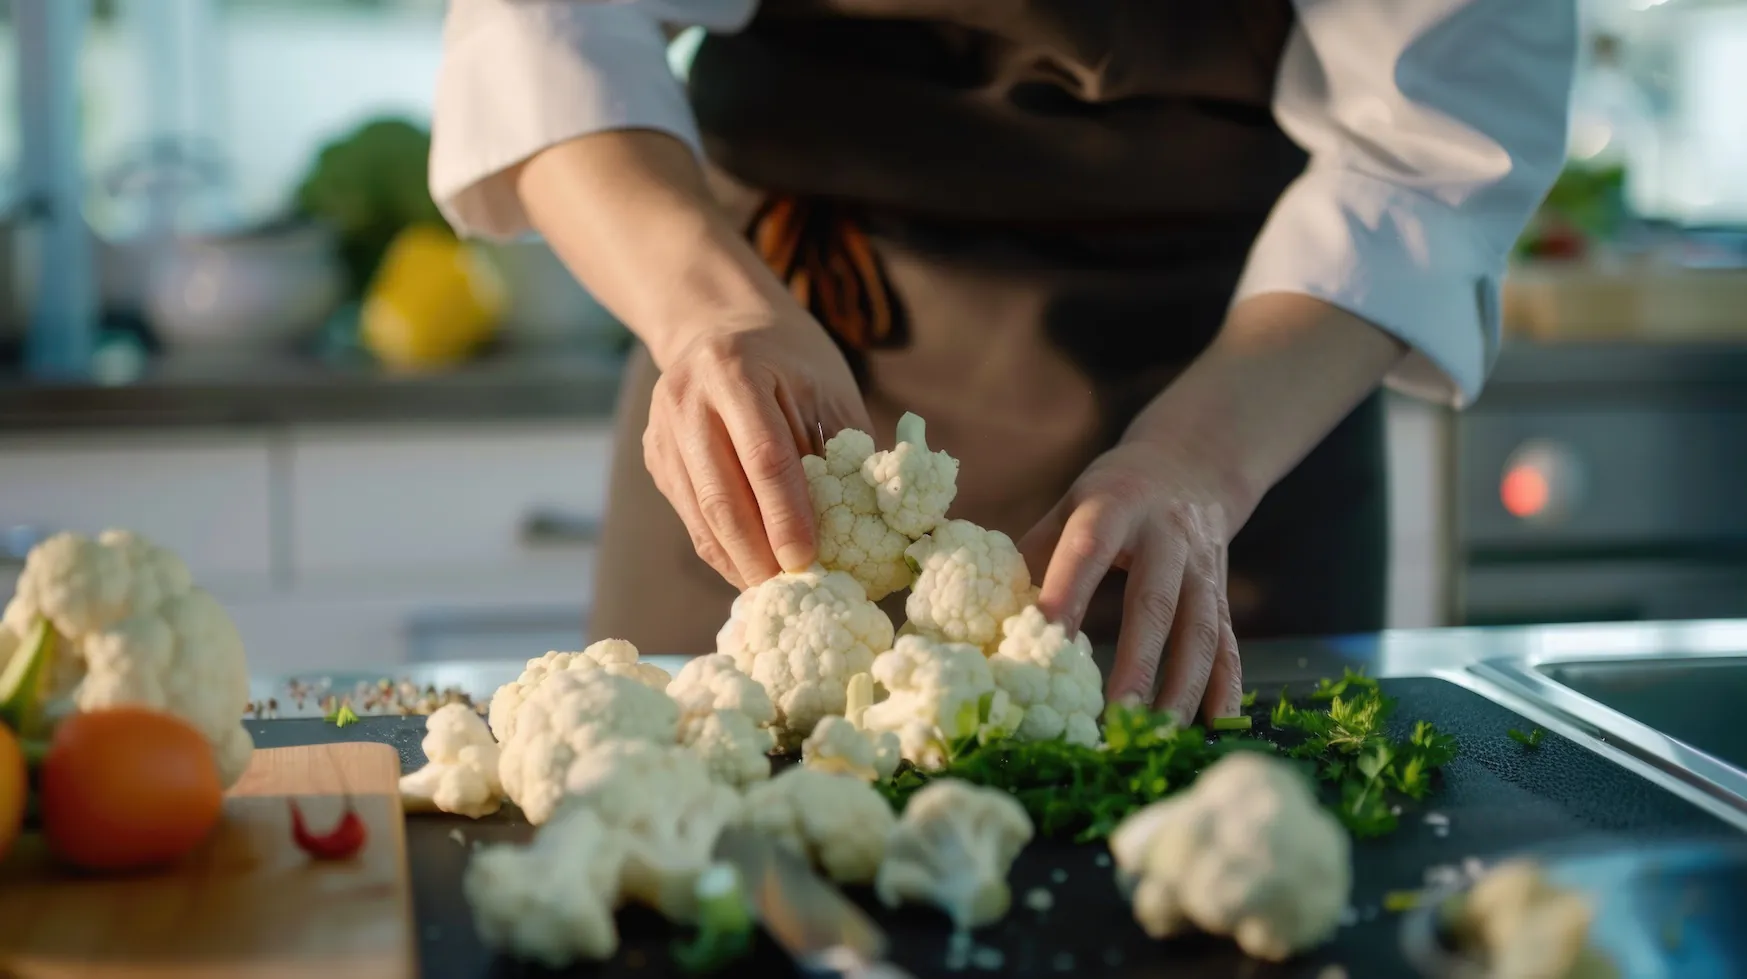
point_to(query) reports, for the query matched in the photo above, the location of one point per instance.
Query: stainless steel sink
(1699, 700)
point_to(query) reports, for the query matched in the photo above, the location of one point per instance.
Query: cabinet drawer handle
(549, 528)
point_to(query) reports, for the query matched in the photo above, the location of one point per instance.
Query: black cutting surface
(1497, 795)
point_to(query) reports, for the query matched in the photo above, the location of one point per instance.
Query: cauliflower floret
(551, 901)
(708, 683)
(953, 849)
(1522, 926)
(968, 581)
(912, 485)
(939, 693)
(132, 628)
(837, 747)
(839, 822)
(736, 750)
(852, 534)
(1245, 852)
(668, 811)
(1051, 676)
(858, 696)
(616, 657)
(460, 773)
(568, 715)
(802, 635)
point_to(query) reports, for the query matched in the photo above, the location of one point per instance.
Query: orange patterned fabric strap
(829, 264)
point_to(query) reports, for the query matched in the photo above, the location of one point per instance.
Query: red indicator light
(1524, 491)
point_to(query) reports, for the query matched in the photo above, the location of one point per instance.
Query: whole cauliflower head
(1247, 852)
(567, 716)
(852, 533)
(913, 486)
(736, 750)
(838, 822)
(615, 657)
(1523, 926)
(460, 773)
(802, 635)
(938, 693)
(133, 629)
(552, 900)
(968, 581)
(838, 747)
(711, 683)
(666, 809)
(1052, 676)
(953, 849)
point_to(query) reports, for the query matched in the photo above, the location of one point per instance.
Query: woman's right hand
(733, 412)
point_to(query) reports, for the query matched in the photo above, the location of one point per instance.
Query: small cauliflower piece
(709, 683)
(802, 635)
(551, 901)
(913, 486)
(837, 747)
(133, 629)
(858, 696)
(838, 822)
(668, 811)
(953, 849)
(568, 715)
(852, 533)
(968, 581)
(460, 773)
(736, 751)
(1522, 926)
(1247, 852)
(616, 657)
(938, 693)
(1051, 676)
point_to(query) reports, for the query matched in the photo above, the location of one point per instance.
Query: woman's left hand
(1150, 510)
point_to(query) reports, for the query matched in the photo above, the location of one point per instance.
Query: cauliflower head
(938, 693)
(1051, 676)
(953, 849)
(460, 773)
(839, 822)
(711, 683)
(615, 657)
(802, 635)
(912, 485)
(852, 533)
(736, 750)
(1247, 852)
(837, 747)
(133, 629)
(1523, 926)
(568, 716)
(667, 810)
(551, 901)
(968, 581)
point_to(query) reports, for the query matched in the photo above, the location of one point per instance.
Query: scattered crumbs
(1473, 868)
(1440, 831)
(459, 837)
(1102, 859)
(1062, 962)
(1395, 810)
(1113, 956)
(1437, 819)
(1332, 972)
(1443, 877)
(1349, 916)
(1039, 899)
(987, 959)
(634, 958)
(958, 951)
(1058, 876)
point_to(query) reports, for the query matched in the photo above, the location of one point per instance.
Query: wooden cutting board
(249, 904)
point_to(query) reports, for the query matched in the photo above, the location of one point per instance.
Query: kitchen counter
(227, 390)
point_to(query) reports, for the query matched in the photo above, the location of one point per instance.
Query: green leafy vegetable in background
(1531, 741)
(341, 715)
(370, 185)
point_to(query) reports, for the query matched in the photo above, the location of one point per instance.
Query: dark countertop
(212, 390)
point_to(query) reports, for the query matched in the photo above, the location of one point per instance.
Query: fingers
(1149, 607)
(668, 470)
(1225, 686)
(1090, 541)
(724, 499)
(763, 437)
(1039, 543)
(1194, 639)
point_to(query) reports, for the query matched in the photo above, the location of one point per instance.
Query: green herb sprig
(1530, 741)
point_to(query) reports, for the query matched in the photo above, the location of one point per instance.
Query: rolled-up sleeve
(518, 76)
(1434, 129)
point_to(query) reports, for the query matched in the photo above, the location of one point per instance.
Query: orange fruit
(127, 789)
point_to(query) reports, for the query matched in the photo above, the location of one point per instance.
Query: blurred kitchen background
(231, 319)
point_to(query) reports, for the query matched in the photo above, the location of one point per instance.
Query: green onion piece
(1231, 724)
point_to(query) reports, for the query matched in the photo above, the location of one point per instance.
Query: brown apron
(1020, 219)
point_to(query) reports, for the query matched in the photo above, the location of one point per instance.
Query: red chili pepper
(339, 843)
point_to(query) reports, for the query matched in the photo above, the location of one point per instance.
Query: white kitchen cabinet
(207, 496)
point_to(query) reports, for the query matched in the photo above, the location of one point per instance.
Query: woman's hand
(1149, 509)
(733, 412)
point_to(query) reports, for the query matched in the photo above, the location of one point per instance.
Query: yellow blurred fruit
(433, 302)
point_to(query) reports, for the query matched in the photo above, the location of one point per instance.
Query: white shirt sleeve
(1434, 128)
(518, 76)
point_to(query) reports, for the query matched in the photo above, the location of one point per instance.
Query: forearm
(630, 215)
(1284, 371)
